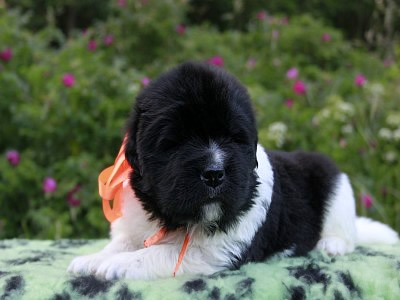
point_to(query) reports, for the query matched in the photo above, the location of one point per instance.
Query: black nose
(213, 177)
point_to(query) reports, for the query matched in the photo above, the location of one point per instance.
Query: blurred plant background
(324, 75)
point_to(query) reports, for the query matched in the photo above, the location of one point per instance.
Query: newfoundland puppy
(198, 171)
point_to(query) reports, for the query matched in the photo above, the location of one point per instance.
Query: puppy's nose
(213, 177)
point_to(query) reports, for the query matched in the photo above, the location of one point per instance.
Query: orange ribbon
(111, 182)
(111, 187)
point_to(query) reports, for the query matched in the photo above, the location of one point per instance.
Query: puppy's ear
(131, 151)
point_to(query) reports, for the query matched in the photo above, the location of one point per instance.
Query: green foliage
(353, 17)
(72, 133)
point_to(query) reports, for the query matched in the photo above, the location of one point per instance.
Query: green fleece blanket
(36, 270)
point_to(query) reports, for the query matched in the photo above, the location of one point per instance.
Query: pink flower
(121, 3)
(68, 80)
(49, 185)
(360, 80)
(180, 29)
(145, 81)
(13, 157)
(72, 200)
(289, 103)
(285, 20)
(6, 55)
(292, 73)
(262, 15)
(366, 200)
(251, 63)
(216, 61)
(299, 87)
(92, 45)
(108, 40)
(326, 37)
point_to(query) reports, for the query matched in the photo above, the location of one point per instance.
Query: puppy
(197, 168)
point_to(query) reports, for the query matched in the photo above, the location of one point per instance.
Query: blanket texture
(37, 270)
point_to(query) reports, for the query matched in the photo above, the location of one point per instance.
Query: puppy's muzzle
(213, 176)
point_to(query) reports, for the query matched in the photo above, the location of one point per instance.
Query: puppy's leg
(88, 264)
(339, 231)
(157, 261)
(127, 234)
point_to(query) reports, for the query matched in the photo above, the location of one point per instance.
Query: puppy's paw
(122, 265)
(87, 264)
(334, 246)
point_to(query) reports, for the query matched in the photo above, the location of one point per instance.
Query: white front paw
(122, 265)
(87, 264)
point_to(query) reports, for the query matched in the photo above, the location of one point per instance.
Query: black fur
(169, 133)
(170, 130)
(303, 183)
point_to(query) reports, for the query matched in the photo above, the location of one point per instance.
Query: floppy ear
(131, 144)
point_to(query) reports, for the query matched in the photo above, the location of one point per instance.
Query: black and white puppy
(192, 142)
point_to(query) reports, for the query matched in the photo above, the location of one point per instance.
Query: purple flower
(289, 103)
(180, 29)
(108, 40)
(92, 45)
(326, 37)
(262, 15)
(71, 199)
(6, 55)
(49, 185)
(216, 61)
(145, 81)
(292, 73)
(251, 63)
(13, 157)
(366, 200)
(360, 80)
(68, 80)
(299, 87)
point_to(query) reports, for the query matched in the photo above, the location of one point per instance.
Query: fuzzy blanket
(37, 270)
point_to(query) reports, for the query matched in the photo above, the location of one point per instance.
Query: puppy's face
(192, 144)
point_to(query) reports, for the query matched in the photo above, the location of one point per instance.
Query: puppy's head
(192, 143)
